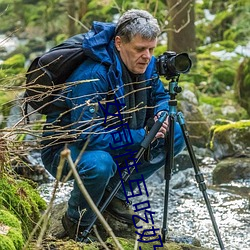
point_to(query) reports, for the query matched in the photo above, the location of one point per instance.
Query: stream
(187, 212)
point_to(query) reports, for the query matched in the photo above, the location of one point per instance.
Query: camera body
(171, 65)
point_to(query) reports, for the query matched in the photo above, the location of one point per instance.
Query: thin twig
(66, 154)
(77, 21)
(99, 238)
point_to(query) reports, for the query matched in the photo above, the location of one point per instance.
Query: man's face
(137, 53)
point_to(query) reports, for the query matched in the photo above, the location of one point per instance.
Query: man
(124, 89)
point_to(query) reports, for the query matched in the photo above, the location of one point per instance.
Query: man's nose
(146, 54)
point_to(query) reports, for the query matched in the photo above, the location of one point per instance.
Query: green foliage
(219, 102)
(221, 23)
(229, 23)
(214, 101)
(216, 67)
(12, 67)
(242, 84)
(224, 75)
(17, 61)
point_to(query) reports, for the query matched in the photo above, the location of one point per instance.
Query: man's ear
(118, 43)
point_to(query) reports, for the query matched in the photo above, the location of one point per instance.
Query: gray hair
(137, 22)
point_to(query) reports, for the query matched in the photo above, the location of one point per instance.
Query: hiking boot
(121, 211)
(74, 231)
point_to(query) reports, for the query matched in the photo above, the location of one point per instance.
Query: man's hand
(163, 129)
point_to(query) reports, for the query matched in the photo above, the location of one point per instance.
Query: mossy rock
(21, 199)
(232, 139)
(11, 237)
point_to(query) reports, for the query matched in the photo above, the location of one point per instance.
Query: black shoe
(121, 211)
(75, 231)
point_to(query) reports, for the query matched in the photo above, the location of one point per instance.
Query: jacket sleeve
(88, 118)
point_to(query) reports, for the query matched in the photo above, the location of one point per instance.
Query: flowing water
(187, 212)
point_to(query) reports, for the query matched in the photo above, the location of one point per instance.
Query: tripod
(125, 175)
(173, 90)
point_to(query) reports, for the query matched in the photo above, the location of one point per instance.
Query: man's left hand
(163, 129)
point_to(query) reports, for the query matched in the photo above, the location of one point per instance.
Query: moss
(235, 125)
(16, 237)
(6, 243)
(21, 199)
(13, 71)
(6, 96)
(229, 45)
(239, 128)
(128, 244)
(219, 102)
(225, 75)
(13, 239)
(9, 219)
(214, 101)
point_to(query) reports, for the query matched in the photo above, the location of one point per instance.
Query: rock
(181, 179)
(190, 96)
(231, 169)
(197, 125)
(232, 139)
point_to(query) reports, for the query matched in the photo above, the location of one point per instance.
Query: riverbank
(188, 216)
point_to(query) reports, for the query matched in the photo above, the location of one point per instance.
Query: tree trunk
(83, 7)
(181, 27)
(71, 6)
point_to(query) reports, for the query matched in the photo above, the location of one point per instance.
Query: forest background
(214, 33)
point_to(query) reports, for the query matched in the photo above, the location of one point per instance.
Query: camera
(171, 65)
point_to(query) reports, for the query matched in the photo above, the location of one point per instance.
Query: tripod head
(174, 89)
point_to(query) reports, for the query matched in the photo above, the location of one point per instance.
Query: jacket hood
(98, 43)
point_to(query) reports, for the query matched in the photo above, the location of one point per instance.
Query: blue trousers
(99, 171)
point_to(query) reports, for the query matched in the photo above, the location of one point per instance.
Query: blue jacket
(85, 120)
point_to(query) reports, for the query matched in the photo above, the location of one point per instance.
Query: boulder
(230, 143)
(231, 139)
(231, 169)
(197, 125)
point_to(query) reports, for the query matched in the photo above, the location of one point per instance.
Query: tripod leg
(199, 176)
(168, 172)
